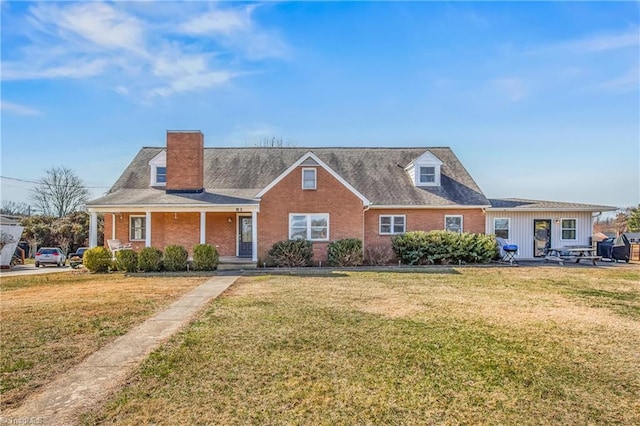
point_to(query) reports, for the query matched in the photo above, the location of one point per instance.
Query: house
(243, 200)
(533, 224)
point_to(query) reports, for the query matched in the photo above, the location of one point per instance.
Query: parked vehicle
(75, 259)
(79, 252)
(51, 256)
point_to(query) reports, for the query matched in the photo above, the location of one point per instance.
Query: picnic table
(560, 254)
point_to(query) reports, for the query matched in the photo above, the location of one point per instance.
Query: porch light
(229, 219)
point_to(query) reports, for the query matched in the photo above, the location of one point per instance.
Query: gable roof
(539, 205)
(376, 173)
(311, 159)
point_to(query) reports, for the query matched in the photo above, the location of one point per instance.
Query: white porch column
(254, 236)
(113, 226)
(93, 229)
(147, 234)
(203, 227)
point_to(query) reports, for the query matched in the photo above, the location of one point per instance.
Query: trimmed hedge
(291, 253)
(97, 259)
(127, 260)
(175, 258)
(443, 247)
(150, 259)
(345, 252)
(205, 257)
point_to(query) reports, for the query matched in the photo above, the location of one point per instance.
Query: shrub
(127, 260)
(97, 259)
(205, 257)
(378, 255)
(291, 253)
(443, 247)
(175, 258)
(410, 247)
(150, 259)
(345, 252)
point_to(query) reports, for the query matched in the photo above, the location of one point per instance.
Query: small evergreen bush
(97, 259)
(127, 260)
(175, 258)
(291, 253)
(150, 259)
(345, 252)
(205, 257)
(443, 247)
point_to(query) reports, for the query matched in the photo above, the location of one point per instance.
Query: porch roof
(540, 205)
(156, 198)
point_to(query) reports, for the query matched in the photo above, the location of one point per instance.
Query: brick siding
(342, 205)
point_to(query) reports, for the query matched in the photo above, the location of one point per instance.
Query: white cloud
(626, 83)
(98, 23)
(75, 69)
(18, 109)
(514, 89)
(137, 53)
(629, 38)
(220, 21)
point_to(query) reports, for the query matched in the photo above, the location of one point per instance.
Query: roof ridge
(312, 147)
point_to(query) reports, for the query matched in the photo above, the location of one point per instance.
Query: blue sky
(539, 100)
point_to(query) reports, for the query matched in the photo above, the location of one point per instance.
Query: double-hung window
(161, 175)
(453, 223)
(309, 180)
(427, 174)
(392, 224)
(312, 227)
(137, 228)
(568, 229)
(501, 228)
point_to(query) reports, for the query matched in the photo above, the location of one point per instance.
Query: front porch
(233, 233)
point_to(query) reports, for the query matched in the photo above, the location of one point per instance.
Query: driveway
(19, 270)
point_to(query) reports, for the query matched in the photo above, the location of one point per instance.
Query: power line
(37, 183)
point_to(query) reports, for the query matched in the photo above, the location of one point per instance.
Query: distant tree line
(625, 220)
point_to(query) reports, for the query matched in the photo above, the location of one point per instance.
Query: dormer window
(425, 170)
(158, 169)
(161, 175)
(427, 174)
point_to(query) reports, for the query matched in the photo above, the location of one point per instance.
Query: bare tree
(60, 192)
(271, 142)
(14, 209)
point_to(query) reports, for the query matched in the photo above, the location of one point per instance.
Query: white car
(50, 255)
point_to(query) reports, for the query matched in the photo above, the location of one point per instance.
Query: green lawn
(469, 345)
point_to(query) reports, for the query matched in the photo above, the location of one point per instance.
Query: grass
(506, 346)
(51, 322)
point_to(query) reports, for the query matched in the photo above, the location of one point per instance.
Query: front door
(245, 232)
(541, 236)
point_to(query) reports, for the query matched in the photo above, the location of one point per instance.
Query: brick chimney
(185, 161)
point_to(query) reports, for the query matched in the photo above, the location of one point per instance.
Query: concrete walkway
(104, 372)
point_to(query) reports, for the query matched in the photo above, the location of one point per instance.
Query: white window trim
(308, 215)
(154, 176)
(508, 225)
(435, 175)
(392, 216)
(159, 160)
(454, 215)
(563, 228)
(315, 178)
(145, 227)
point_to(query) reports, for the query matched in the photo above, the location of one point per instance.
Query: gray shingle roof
(236, 175)
(522, 204)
